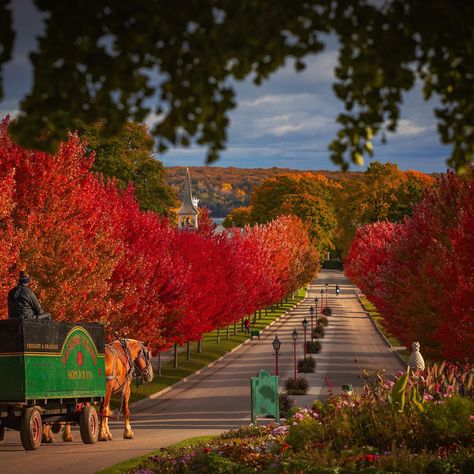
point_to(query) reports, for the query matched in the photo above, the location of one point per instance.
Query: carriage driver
(22, 302)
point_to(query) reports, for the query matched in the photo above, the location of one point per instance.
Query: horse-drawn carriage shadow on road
(57, 373)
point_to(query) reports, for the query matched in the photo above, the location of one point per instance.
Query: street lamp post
(327, 290)
(294, 335)
(322, 300)
(311, 312)
(276, 347)
(305, 327)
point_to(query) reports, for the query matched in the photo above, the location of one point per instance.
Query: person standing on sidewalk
(247, 325)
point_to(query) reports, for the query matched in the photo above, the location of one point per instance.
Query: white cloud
(408, 128)
(279, 100)
(291, 123)
(319, 68)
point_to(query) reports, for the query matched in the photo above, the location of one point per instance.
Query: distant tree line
(334, 207)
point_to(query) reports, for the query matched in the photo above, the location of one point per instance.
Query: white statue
(416, 361)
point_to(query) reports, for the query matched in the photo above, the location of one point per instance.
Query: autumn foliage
(420, 273)
(94, 255)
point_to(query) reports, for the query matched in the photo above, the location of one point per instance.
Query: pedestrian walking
(247, 325)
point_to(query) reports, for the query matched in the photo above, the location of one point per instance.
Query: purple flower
(279, 430)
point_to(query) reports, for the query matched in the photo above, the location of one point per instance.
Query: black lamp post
(327, 289)
(322, 300)
(311, 312)
(305, 327)
(276, 347)
(294, 335)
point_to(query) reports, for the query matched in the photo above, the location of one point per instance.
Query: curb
(381, 334)
(153, 396)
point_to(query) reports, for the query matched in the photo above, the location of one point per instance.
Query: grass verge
(126, 466)
(376, 316)
(211, 351)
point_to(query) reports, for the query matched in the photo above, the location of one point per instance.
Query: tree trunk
(188, 351)
(218, 335)
(159, 364)
(227, 336)
(235, 329)
(199, 348)
(175, 356)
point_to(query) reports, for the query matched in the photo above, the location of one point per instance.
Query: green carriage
(52, 373)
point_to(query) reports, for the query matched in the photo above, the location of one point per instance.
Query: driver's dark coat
(22, 303)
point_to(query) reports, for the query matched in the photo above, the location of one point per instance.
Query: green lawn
(211, 350)
(372, 310)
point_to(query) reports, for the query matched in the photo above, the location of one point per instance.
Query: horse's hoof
(68, 439)
(109, 436)
(128, 435)
(47, 440)
(103, 437)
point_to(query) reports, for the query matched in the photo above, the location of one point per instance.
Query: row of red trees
(420, 274)
(94, 255)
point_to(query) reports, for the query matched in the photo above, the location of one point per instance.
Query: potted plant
(313, 347)
(298, 387)
(307, 365)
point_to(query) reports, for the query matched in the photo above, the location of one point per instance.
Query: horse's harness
(126, 359)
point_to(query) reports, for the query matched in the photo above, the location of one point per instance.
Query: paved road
(219, 398)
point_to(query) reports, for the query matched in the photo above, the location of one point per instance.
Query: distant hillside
(223, 189)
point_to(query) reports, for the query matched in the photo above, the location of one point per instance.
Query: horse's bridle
(145, 355)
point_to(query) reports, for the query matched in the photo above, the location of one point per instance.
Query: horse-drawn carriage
(53, 373)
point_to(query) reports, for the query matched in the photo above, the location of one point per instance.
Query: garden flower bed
(416, 423)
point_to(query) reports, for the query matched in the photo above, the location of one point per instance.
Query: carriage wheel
(89, 425)
(31, 427)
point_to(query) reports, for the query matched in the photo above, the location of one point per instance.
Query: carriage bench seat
(254, 332)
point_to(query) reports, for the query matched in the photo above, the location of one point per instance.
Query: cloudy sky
(286, 122)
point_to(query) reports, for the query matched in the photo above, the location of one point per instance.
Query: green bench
(254, 333)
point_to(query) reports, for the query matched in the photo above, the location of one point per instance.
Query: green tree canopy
(127, 156)
(382, 193)
(98, 60)
(305, 195)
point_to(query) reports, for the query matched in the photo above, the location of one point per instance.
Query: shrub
(301, 386)
(327, 311)
(313, 347)
(318, 332)
(448, 421)
(307, 365)
(323, 321)
(286, 405)
(299, 437)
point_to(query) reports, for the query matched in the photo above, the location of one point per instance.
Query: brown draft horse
(124, 359)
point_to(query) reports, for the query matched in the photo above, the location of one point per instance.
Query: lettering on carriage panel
(79, 374)
(37, 345)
